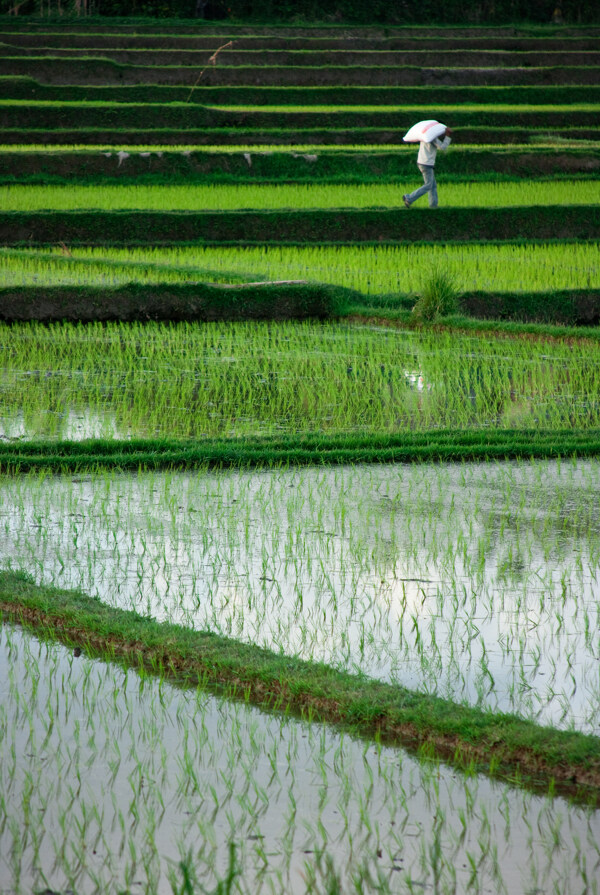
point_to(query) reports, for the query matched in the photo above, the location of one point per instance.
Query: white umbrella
(424, 132)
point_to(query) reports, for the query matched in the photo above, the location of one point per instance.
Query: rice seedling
(27, 197)
(229, 380)
(373, 270)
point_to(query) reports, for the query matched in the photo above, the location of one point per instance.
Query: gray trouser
(429, 186)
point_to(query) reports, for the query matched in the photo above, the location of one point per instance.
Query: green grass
(500, 744)
(188, 197)
(446, 446)
(372, 270)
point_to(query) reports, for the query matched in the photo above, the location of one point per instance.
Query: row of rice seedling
(372, 270)
(24, 267)
(234, 379)
(146, 197)
(328, 565)
(139, 776)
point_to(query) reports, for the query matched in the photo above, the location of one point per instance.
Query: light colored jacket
(428, 151)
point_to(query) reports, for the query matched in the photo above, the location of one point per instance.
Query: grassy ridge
(26, 88)
(279, 301)
(326, 166)
(445, 445)
(358, 40)
(311, 226)
(278, 136)
(304, 57)
(141, 25)
(499, 744)
(197, 301)
(82, 70)
(182, 116)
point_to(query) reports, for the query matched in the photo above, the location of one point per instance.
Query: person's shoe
(406, 202)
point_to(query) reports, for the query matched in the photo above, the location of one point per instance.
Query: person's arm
(442, 144)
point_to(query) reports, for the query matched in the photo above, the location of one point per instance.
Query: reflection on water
(477, 582)
(107, 781)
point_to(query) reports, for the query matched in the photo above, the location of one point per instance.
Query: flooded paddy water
(236, 379)
(475, 582)
(109, 780)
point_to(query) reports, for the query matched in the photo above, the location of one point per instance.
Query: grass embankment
(473, 120)
(551, 313)
(358, 40)
(313, 137)
(498, 744)
(306, 57)
(447, 445)
(297, 226)
(325, 166)
(27, 88)
(54, 69)
(198, 301)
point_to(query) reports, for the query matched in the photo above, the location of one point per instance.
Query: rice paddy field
(298, 605)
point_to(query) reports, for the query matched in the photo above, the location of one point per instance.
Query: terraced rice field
(298, 605)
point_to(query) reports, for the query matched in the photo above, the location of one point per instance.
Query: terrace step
(32, 116)
(115, 26)
(22, 87)
(298, 226)
(327, 166)
(51, 70)
(262, 58)
(290, 137)
(355, 42)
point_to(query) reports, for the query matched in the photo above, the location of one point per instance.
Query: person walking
(425, 164)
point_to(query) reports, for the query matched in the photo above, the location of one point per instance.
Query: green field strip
(32, 116)
(81, 70)
(240, 197)
(26, 88)
(315, 226)
(275, 137)
(326, 166)
(498, 744)
(518, 267)
(261, 58)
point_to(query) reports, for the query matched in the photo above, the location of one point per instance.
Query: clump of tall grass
(440, 294)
